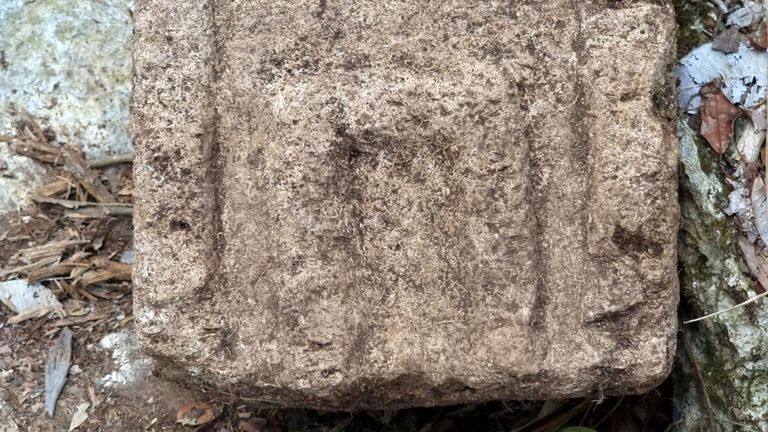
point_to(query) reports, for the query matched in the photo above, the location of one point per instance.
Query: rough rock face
(68, 63)
(347, 204)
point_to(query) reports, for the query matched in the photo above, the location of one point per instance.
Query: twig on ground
(87, 208)
(111, 160)
(720, 312)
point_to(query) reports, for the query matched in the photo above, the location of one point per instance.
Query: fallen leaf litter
(722, 85)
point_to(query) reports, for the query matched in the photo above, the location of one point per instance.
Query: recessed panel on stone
(368, 204)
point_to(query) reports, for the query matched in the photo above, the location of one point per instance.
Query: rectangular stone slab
(365, 204)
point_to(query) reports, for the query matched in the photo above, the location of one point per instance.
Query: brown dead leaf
(728, 41)
(196, 413)
(717, 117)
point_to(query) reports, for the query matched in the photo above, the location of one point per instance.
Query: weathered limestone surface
(347, 204)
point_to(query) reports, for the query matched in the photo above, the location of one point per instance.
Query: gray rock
(372, 204)
(20, 175)
(68, 63)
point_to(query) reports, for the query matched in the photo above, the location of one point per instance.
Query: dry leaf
(59, 359)
(717, 117)
(80, 416)
(760, 41)
(196, 413)
(728, 41)
(745, 16)
(750, 141)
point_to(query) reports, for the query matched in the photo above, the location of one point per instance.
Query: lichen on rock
(730, 349)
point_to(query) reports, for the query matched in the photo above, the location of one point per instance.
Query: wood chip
(105, 270)
(32, 142)
(78, 168)
(80, 416)
(26, 269)
(59, 186)
(56, 369)
(51, 249)
(87, 209)
(99, 212)
(38, 313)
(80, 320)
(60, 268)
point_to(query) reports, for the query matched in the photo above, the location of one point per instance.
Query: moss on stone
(694, 18)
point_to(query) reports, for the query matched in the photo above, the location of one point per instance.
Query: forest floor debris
(722, 87)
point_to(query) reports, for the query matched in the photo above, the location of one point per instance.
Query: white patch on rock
(21, 175)
(127, 257)
(131, 363)
(22, 297)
